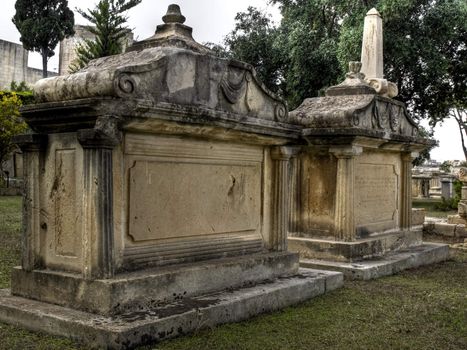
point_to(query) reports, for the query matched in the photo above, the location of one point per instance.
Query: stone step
(169, 320)
(389, 264)
(364, 248)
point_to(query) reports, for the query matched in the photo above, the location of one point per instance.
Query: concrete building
(14, 65)
(68, 45)
(14, 58)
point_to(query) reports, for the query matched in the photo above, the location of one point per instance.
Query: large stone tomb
(156, 198)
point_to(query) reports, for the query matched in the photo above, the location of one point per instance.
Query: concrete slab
(391, 263)
(364, 248)
(168, 320)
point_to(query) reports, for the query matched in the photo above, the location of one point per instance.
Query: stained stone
(372, 46)
(156, 177)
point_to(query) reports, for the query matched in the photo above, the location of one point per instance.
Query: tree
(425, 51)
(253, 41)
(108, 27)
(446, 166)
(42, 25)
(10, 125)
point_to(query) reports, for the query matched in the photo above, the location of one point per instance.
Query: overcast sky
(211, 21)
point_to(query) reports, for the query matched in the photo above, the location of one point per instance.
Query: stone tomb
(352, 183)
(352, 196)
(156, 198)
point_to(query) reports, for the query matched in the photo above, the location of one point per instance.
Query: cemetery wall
(14, 65)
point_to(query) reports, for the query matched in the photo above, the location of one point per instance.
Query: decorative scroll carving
(126, 85)
(280, 112)
(233, 91)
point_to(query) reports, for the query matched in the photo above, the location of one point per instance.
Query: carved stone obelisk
(372, 46)
(372, 55)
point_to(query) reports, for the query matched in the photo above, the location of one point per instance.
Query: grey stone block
(168, 320)
(391, 263)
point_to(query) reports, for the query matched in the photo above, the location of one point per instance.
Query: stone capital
(105, 134)
(409, 156)
(346, 151)
(284, 152)
(31, 142)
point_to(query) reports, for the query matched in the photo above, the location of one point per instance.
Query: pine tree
(108, 27)
(42, 25)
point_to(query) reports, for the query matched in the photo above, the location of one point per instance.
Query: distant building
(14, 58)
(67, 47)
(14, 65)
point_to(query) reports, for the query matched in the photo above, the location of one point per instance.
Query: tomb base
(389, 264)
(365, 248)
(168, 320)
(132, 291)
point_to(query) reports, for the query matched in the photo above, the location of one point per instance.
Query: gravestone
(421, 186)
(461, 217)
(352, 195)
(447, 188)
(156, 197)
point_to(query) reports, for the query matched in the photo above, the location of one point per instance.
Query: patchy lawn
(424, 308)
(431, 206)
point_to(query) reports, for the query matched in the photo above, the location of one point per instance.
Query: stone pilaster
(406, 191)
(32, 146)
(98, 240)
(295, 196)
(344, 215)
(281, 196)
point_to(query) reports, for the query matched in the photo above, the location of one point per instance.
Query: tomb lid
(353, 108)
(167, 73)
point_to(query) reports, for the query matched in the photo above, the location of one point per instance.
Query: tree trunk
(44, 63)
(462, 128)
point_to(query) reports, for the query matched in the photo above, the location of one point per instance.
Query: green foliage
(23, 92)
(447, 204)
(425, 154)
(446, 166)
(10, 124)
(425, 50)
(42, 25)
(19, 87)
(457, 189)
(451, 203)
(108, 26)
(253, 41)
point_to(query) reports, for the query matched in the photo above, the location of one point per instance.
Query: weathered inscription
(376, 193)
(170, 199)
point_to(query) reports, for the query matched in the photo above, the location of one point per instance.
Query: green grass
(10, 227)
(430, 207)
(424, 308)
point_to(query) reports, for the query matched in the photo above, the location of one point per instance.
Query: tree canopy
(424, 48)
(108, 26)
(11, 125)
(42, 25)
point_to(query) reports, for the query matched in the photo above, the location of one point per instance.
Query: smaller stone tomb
(353, 180)
(352, 183)
(153, 179)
